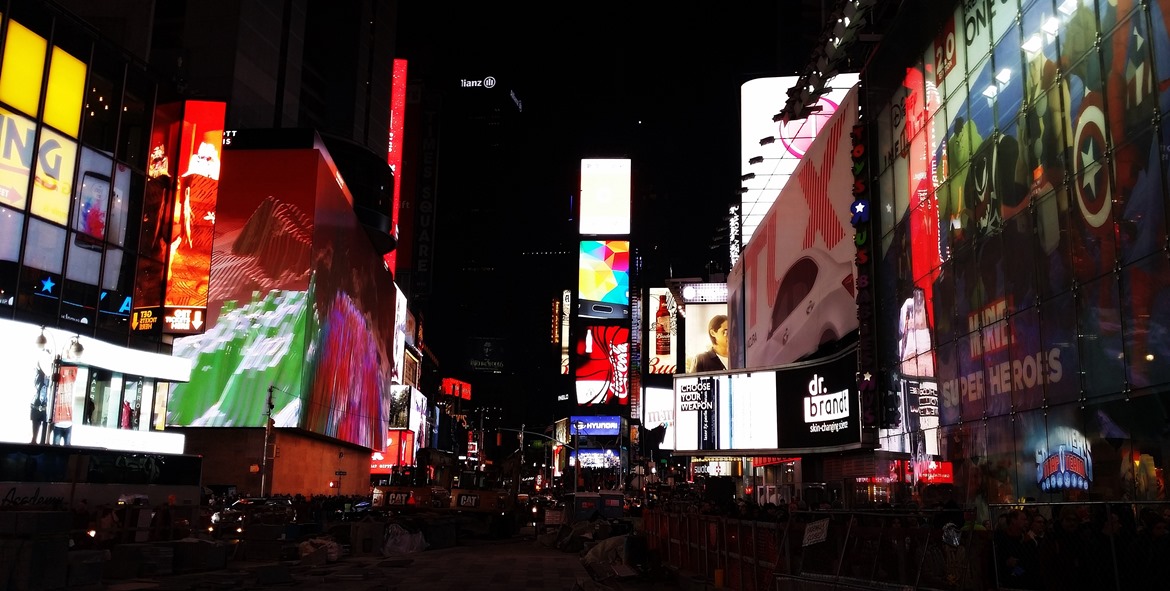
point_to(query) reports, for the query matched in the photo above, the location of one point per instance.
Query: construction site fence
(1110, 546)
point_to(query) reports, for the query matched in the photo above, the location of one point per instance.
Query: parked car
(233, 520)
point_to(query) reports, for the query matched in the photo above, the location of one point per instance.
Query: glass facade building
(1024, 300)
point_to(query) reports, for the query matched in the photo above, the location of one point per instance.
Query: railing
(1103, 549)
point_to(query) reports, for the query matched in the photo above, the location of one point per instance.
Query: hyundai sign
(595, 425)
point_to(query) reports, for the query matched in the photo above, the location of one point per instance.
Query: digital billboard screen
(707, 337)
(793, 286)
(603, 287)
(662, 340)
(774, 163)
(1023, 216)
(605, 196)
(193, 221)
(804, 406)
(293, 305)
(590, 425)
(602, 360)
(658, 410)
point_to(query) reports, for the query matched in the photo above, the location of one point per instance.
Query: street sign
(339, 473)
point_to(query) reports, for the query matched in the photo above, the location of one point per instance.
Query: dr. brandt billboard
(589, 426)
(810, 405)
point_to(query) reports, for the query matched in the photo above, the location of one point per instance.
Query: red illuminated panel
(192, 217)
(456, 388)
(602, 355)
(938, 473)
(394, 146)
(1052, 465)
(399, 452)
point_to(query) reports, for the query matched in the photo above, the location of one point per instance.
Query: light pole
(577, 459)
(265, 458)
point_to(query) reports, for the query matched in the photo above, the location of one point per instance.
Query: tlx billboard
(792, 290)
(773, 163)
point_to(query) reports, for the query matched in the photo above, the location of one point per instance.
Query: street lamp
(72, 351)
(577, 426)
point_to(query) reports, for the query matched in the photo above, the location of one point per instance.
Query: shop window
(40, 278)
(103, 102)
(135, 125)
(102, 386)
(11, 232)
(116, 288)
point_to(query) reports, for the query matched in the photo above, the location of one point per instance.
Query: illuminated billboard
(663, 358)
(773, 163)
(658, 410)
(399, 451)
(590, 425)
(603, 287)
(100, 398)
(1011, 287)
(605, 196)
(792, 290)
(806, 406)
(394, 148)
(601, 354)
(707, 337)
(419, 422)
(293, 305)
(193, 218)
(400, 314)
(566, 301)
(455, 388)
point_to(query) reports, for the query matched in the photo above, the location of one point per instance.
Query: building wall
(1023, 226)
(303, 464)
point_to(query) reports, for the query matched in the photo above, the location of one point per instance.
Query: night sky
(654, 82)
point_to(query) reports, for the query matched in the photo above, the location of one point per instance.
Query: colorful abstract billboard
(193, 218)
(602, 364)
(293, 306)
(793, 287)
(603, 287)
(605, 197)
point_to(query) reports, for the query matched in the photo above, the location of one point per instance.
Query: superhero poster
(1023, 208)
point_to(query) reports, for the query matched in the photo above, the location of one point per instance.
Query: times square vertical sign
(862, 239)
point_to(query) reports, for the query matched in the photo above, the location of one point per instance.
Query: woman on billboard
(715, 358)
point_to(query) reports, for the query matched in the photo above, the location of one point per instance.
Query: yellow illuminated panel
(23, 68)
(17, 140)
(53, 184)
(65, 93)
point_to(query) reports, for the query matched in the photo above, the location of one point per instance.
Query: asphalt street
(480, 565)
